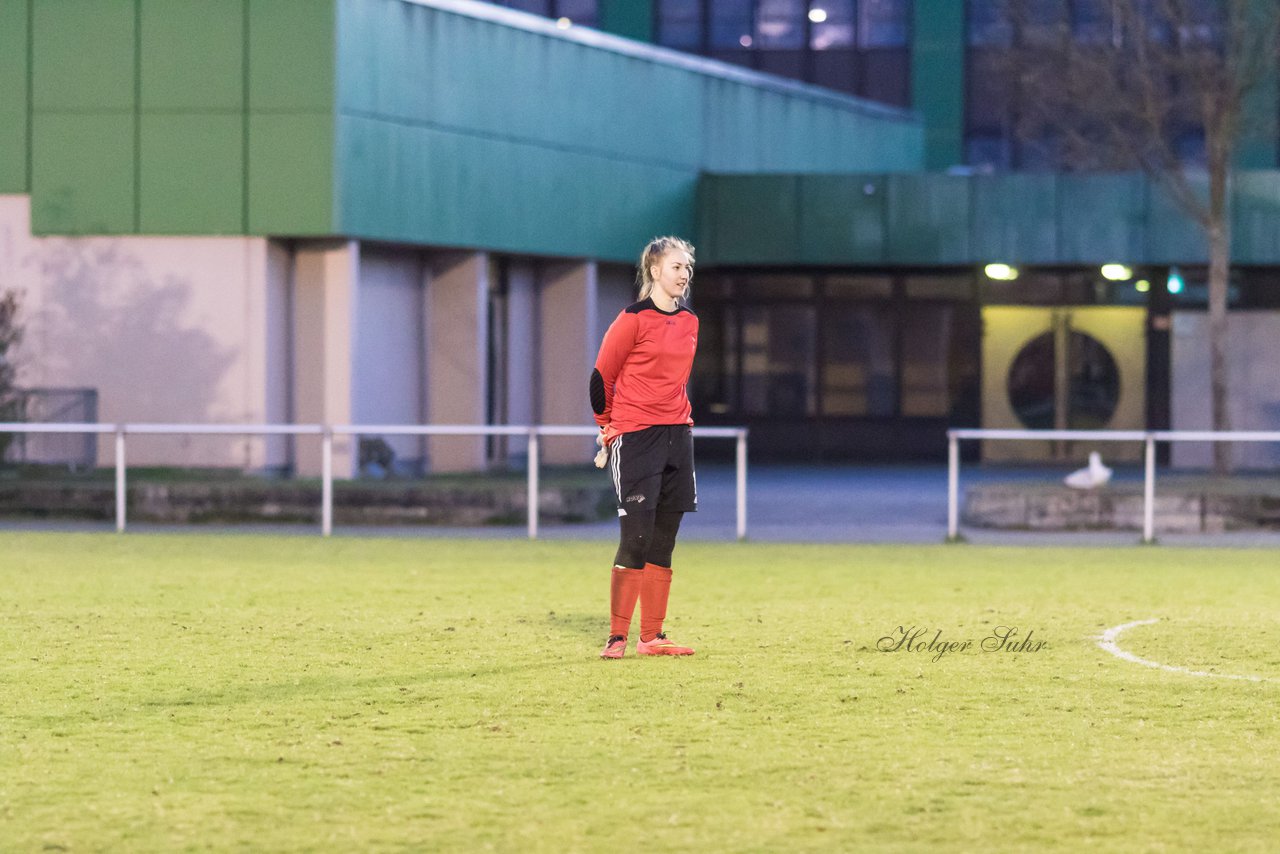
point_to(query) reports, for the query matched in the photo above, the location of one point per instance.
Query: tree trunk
(1219, 264)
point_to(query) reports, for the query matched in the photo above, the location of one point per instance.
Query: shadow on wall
(106, 323)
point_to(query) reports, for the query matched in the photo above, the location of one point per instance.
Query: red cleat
(660, 645)
(616, 647)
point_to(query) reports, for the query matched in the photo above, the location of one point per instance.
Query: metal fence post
(532, 497)
(326, 482)
(1149, 493)
(121, 503)
(742, 484)
(953, 488)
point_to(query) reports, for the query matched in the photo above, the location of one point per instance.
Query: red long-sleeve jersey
(642, 372)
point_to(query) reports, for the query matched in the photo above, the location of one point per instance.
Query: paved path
(821, 504)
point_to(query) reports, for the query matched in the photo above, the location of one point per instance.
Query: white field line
(1108, 642)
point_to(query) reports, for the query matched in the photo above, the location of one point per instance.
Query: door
(1077, 368)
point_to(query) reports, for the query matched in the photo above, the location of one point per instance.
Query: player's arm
(615, 348)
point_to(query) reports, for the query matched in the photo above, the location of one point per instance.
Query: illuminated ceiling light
(1142, 285)
(745, 41)
(1001, 272)
(1116, 272)
(1175, 280)
(817, 14)
(564, 23)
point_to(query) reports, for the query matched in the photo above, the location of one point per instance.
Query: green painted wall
(180, 116)
(471, 131)
(939, 219)
(631, 19)
(14, 105)
(938, 79)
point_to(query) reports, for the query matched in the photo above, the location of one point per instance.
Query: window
(581, 12)
(838, 29)
(778, 360)
(882, 23)
(731, 24)
(780, 24)
(858, 369)
(680, 24)
(990, 24)
(861, 47)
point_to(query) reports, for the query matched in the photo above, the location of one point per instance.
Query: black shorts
(653, 469)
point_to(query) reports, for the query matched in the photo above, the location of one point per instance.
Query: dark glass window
(1092, 21)
(861, 47)
(537, 7)
(990, 24)
(731, 24)
(838, 27)
(581, 12)
(887, 75)
(778, 360)
(680, 24)
(882, 23)
(1041, 21)
(858, 376)
(780, 24)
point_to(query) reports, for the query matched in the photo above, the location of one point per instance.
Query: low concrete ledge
(353, 503)
(1188, 505)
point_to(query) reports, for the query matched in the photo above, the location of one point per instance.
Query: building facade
(427, 211)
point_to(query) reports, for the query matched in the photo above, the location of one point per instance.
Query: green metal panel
(937, 78)
(1171, 235)
(1255, 227)
(84, 57)
(1259, 132)
(632, 19)
(1101, 218)
(192, 173)
(500, 194)
(1015, 218)
(192, 55)
(757, 220)
(14, 106)
(842, 218)
(928, 219)
(484, 129)
(82, 179)
(291, 174)
(938, 219)
(291, 55)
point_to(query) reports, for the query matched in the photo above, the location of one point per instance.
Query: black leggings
(648, 536)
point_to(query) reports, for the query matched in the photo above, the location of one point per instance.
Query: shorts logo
(636, 498)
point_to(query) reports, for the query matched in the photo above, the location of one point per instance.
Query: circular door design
(1093, 383)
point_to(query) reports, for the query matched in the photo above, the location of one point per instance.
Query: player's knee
(636, 539)
(663, 541)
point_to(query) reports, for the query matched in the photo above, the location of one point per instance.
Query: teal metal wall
(486, 130)
(169, 116)
(631, 19)
(938, 78)
(939, 219)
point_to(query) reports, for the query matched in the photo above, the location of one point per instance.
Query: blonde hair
(652, 254)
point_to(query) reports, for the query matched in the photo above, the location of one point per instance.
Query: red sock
(653, 600)
(623, 592)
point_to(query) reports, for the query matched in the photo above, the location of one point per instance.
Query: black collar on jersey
(648, 303)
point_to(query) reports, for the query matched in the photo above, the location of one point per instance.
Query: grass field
(276, 693)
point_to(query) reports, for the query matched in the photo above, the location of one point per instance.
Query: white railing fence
(327, 432)
(1148, 437)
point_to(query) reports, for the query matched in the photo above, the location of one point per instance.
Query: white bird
(1091, 476)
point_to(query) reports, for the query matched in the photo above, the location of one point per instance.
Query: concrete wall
(1253, 384)
(165, 328)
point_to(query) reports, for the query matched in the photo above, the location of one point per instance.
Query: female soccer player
(639, 396)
